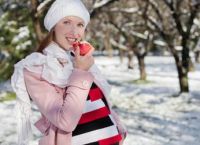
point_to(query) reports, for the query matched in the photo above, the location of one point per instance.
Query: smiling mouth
(71, 40)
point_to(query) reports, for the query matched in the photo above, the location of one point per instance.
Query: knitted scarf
(53, 72)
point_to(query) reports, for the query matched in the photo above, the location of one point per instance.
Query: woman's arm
(122, 129)
(65, 112)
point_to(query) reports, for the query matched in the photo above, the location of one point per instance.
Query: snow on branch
(197, 22)
(139, 35)
(125, 10)
(129, 24)
(116, 44)
(100, 4)
(155, 22)
(42, 5)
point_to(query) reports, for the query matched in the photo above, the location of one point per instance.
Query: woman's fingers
(83, 62)
(77, 51)
(90, 52)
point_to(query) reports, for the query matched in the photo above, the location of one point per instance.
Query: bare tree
(175, 28)
(37, 9)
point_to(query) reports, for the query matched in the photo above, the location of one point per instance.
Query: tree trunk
(107, 43)
(121, 55)
(130, 59)
(142, 67)
(183, 80)
(191, 65)
(36, 20)
(185, 67)
(197, 56)
(182, 75)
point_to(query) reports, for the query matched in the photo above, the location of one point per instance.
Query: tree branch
(99, 8)
(155, 8)
(41, 7)
(36, 21)
(191, 19)
(175, 17)
(165, 37)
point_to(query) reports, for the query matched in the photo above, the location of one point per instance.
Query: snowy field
(150, 112)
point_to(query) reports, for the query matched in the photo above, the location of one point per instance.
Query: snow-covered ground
(149, 111)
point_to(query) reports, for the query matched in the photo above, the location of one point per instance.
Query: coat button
(85, 83)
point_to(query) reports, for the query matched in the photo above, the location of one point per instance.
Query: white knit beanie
(62, 8)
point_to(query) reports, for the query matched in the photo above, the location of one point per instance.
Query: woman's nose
(74, 31)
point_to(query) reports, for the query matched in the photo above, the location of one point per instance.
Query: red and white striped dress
(96, 125)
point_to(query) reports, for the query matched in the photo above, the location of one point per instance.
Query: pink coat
(61, 110)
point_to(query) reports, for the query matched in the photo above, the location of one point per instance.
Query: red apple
(76, 44)
(84, 47)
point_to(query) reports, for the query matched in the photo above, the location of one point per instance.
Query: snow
(100, 4)
(126, 10)
(13, 6)
(24, 45)
(197, 22)
(115, 43)
(23, 33)
(4, 53)
(11, 23)
(151, 111)
(139, 35)
(42, 5)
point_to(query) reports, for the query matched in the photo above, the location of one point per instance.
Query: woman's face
(68, 30)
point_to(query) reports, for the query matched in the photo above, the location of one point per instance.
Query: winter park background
(149, 111)
(149, 51)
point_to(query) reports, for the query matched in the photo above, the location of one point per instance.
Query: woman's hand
(83, 62)
(121, 142)
(123, 138)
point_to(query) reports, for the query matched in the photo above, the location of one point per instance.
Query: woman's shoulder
(33, 62)
(36, 72)
(34, 58)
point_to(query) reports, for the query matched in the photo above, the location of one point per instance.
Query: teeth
(71, 39)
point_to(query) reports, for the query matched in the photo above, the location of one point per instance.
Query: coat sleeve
(122, 129)
(63, 112)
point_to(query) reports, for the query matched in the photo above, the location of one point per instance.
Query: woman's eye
(66, 22)
(81, 25)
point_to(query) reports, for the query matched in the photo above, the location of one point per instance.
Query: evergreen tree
(17, 37)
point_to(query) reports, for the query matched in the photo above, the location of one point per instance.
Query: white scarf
(53, 72)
